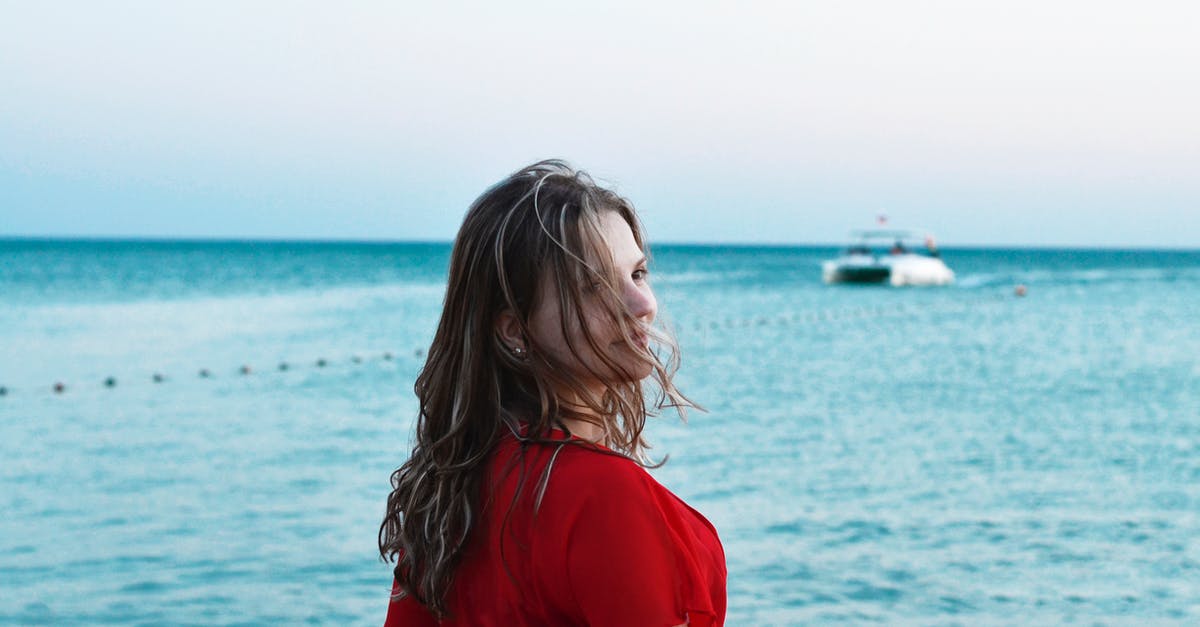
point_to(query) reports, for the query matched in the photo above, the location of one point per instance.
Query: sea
(202, 432)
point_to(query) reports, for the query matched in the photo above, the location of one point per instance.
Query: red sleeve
(622, 561)
(407, 612)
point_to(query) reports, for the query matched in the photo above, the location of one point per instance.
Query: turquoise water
(940, 456)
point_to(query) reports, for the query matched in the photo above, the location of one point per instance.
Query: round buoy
(204, 373)
(59, 388)
(3, 391)
(418, 352)
(387, 356)
(283, 365)
(356, 359)
(110, 382)
(244, 370)
(158, 378)
(1020, 290)
(321, 363)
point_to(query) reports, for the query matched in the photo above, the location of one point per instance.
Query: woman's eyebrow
(640, 261)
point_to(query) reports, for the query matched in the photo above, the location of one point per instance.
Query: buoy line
(62, 387)
(794, 317)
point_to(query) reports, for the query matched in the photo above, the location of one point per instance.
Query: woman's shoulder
(580, 473)
(597, 464)
(576, 457)
(567, 474)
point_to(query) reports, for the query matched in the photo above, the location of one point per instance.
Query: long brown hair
(542, 223)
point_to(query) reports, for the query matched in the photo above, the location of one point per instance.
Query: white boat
(894, 256)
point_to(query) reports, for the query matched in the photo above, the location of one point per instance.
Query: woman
(525, 500)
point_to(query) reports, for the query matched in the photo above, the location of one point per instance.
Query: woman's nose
(641, 302)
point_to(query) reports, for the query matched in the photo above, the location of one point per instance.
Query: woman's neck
(581, 419)
(585, 429)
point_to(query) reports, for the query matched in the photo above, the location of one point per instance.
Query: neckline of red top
(558, 433)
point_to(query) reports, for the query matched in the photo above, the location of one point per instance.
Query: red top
(608, 545)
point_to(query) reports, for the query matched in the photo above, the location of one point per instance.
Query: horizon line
(209, 239)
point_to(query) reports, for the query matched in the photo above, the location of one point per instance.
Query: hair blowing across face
(541, 224)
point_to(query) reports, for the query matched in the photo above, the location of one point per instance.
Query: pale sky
(1015, 122)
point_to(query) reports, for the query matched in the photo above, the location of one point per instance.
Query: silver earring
(517, 351)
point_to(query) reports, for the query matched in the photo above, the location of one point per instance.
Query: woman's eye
(640, 274)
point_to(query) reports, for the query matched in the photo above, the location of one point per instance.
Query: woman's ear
(508, 329)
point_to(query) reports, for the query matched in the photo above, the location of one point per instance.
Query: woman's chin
(631, 373)
(641, 370)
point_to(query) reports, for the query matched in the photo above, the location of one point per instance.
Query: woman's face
(634, 289)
